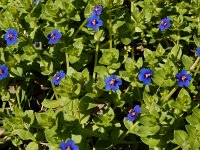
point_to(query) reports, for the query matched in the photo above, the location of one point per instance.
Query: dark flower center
(96, 9)
(53, 36)
(68, 148)
(1, 71)
(183, 78)
(94, 22)
(133, 113)
(58, 77)
(164, 23)
(112, 82)
(10, 36)
(147, 75)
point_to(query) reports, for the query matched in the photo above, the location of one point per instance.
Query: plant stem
(110, 27)
(79, 29)
(17, 95)
(96, 59)
(54, 91)
(128, 88)
(123, 135)
(67, 63)
(170, 94)
(195, 64)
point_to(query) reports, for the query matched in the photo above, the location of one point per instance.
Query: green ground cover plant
(99, 74)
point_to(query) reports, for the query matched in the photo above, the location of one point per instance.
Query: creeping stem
(170, 94)
(195, 64)
(132, 20)
(79, 29)
(67, 62)
(110, 27)
(95, 59)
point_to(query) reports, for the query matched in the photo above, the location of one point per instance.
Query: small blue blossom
(133, 113)
(97, 10)
(11, 36)
(183, 78)
(3, 72)
(37, 44)
(35, 1)
(54, 36)
(112, 82)
(133, 43)
(94, 22)
(69, 145)
(198, 51)
(145, 76)
(57, 78)
(165, 23)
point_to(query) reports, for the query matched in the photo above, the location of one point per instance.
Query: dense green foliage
(35, 114)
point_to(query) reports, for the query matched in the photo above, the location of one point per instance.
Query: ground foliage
(36, 114)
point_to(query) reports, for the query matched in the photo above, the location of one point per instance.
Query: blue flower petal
(115, 88)
(137, 109)
(186, 83)
(108, 86)
(130, 118)
(119, 81)
(62, 145)
(147, 81)
(180, 83)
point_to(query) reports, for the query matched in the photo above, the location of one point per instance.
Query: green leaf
(32, 146)
(151, 142)
(50, 103)
(193, 120)
(87, 102)
(126, 41)
(109, 56)
(176, 51)
(196, 40)
(180, 137)
(196, 112)
(187, 62)
(76, 138)
(159, 77)
(160, 50)
(18, 71)
(144, 131)
(99, 35)
(194, 143)
(24, 134)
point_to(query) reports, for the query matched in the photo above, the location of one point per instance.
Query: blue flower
(94, 22)
(165, 23)
(112, 82)
(183, 78)
(3, 72)
(35, 1)
(11, 36)
(133, 43)
(198, 51)
(57, 78)
(133, 113)
(37, 44)
(145, 76)
(69, 145)
(97, 10)
(54, 36)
